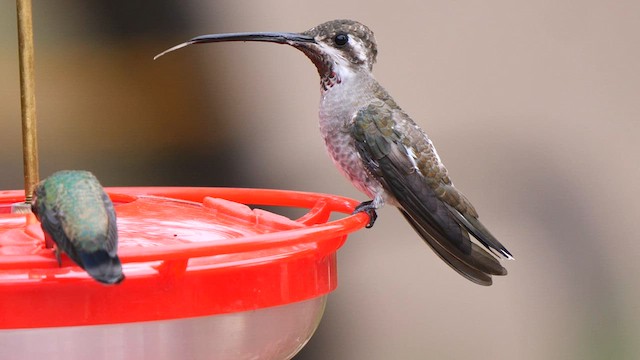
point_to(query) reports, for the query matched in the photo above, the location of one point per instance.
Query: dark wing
(103, 264)
(51, 223)
(111, 244)
(440, 215)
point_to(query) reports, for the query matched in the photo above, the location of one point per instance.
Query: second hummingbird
(381, 150)
(77, 214)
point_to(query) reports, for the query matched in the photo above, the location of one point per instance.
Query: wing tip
(501, 253)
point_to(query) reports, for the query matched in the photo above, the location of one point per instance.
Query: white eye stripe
(359, 50)
(358, 47)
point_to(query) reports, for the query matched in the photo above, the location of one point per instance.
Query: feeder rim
(312, 233)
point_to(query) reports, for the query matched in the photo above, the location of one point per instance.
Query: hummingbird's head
(338, 48)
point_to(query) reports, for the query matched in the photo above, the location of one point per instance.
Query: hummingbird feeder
(204, 273)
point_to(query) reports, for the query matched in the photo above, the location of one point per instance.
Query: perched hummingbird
(78, 215)
(380, 149)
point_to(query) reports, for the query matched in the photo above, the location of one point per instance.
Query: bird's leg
(48, 241)
(57, 252)
(369, 207)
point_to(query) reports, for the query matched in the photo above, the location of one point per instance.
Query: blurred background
(533, 106)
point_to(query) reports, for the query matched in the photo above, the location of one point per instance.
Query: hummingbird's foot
(57, 252)
(367, 207)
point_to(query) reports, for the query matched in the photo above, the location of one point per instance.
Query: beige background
(533, 107)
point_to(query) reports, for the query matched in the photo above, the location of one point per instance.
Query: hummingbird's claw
(370, 209)
(57, 252)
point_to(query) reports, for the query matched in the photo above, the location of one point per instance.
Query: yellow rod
(27, 97)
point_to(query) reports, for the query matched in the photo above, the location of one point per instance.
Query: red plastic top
(185, 252)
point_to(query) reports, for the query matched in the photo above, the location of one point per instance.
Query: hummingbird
(77, 214)
(381, 150)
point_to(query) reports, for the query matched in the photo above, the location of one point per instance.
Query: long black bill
(275, 37)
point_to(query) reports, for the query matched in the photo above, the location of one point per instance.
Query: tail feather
(477, 265)
(480, 232)
(102, 266)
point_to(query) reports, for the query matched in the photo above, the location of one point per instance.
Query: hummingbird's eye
(341, 39)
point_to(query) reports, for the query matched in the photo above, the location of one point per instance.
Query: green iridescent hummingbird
(381, 150)
(77, 214)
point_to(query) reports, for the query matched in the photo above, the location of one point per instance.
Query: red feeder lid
(185, 251)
